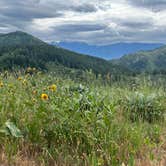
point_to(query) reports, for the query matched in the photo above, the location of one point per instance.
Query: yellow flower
(19, 78)
(53, 87)
(1, 84)
(44, 96)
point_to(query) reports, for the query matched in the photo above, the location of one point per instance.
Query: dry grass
(20, 160)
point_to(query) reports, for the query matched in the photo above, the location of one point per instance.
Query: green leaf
(14, 131)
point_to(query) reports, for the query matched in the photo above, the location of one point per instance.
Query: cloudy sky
(91, 21)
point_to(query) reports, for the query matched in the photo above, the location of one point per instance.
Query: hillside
(110, 51)
(145, 61)
(18, 38)
(21, 49)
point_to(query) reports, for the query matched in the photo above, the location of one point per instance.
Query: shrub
(140, 107)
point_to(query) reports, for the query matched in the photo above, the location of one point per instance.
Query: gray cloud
(26, 10)
(30, 9)
(74, 28)
(95, 21)
(33, 9)
(85, 8)
(155, 5)
(27, 14)
(20, 14)
(148, 2)
(137, 25)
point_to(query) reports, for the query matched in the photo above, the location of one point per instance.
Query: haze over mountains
(112, 51)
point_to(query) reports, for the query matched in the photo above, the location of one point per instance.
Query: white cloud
(95, 21)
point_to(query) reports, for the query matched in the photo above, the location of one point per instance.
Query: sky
(98, 22)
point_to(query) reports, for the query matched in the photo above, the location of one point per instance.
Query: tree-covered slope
(18, 38)
(21, 49)
(145, 61)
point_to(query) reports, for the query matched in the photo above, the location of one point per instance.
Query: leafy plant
(140, 107)
(11, 129)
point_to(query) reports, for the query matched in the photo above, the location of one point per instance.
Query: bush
(140, 107)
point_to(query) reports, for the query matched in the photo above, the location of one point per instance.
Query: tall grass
(81, 122)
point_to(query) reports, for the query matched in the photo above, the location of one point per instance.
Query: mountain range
(19, 49)
(145, 61)
(112, 51)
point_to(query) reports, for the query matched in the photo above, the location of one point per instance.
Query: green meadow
(50, 119)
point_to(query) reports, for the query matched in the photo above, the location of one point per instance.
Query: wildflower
(44, 96)
(53, 87)
(1, 84)
(19, 78)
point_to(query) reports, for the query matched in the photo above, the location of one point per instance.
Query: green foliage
(83, 122)
(140, 107)
(19, 49)
(11, 129)
(95, 115)
(145, 61)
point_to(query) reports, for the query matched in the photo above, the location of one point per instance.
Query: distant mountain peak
(18, 38)
(111, 51)
(16, 33)
(19, 32)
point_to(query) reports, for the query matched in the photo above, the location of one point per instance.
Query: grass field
(46, 119)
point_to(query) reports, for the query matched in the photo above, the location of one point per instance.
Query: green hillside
(18, 38)
(23, 50)
(71, 117)
(145, 61)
